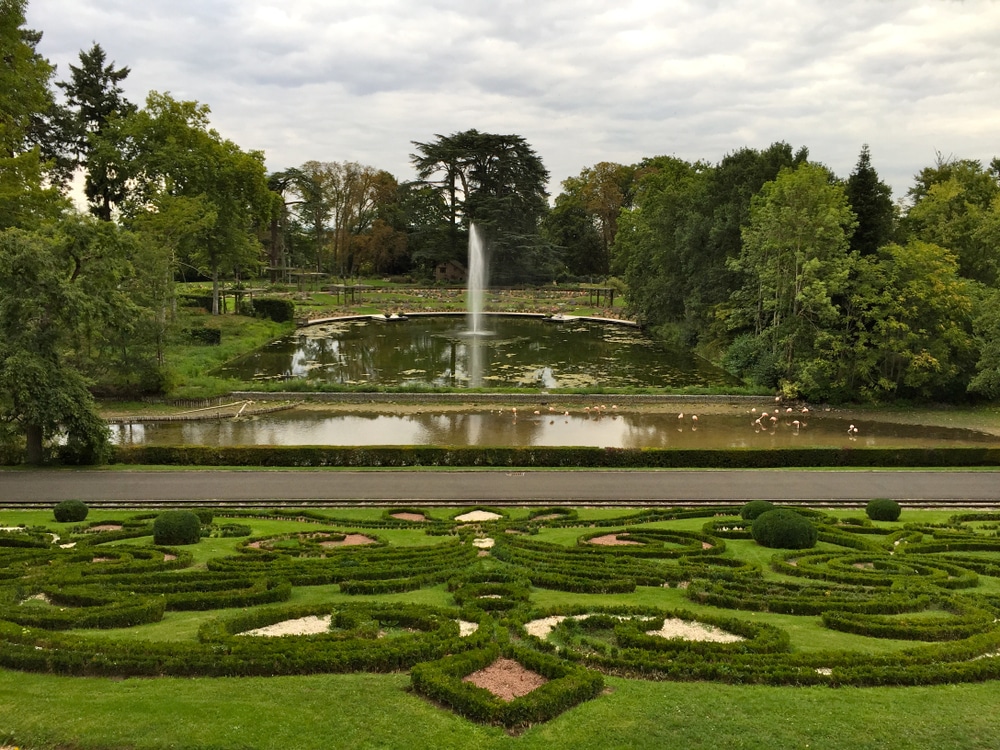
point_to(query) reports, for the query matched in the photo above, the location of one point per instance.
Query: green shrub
(205, 335)
(71, 510)
(883, 509)
(783, 529)
(754, 508)
(276, 309)
(176, 527)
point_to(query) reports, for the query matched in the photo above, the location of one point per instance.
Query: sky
(582, 82)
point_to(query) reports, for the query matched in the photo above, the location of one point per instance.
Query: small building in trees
(451, 271)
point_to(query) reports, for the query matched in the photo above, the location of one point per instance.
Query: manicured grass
(377, 711)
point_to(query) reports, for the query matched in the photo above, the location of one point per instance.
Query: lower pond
(438, 351)
(612, 426)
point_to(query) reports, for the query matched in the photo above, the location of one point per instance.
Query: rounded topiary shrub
(883, 509)
(71, 510)
(783, 529)
(176, 527)
(754, 508)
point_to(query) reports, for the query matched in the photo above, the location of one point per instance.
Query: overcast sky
(582, 81)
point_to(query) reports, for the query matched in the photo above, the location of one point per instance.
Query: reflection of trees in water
(520, 352)
(627, 429)
(457, 428)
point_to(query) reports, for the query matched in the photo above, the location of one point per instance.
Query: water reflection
(549, 426)
(437, 351)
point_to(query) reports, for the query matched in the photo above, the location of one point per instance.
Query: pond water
(630, 427)
(439, 351)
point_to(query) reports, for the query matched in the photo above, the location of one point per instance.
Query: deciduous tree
(796, 264)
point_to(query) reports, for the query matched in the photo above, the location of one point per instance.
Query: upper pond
(437, 351)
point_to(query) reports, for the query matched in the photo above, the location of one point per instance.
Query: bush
(754, 508)
(176, 527)
(783, 529)
(278, 310)
(205, 335)
(71, 510)
(883, 509)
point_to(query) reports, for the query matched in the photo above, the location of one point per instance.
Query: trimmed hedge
(422, 455)
(883, 509)
(278, 309)
(71, 510)
(568, 685)
(176, 527)
(783, 529)
(754, 508)
(429, 633)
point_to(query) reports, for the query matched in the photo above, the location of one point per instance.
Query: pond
(613, 426)
(438, 351)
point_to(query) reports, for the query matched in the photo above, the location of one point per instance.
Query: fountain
(477, 280)
(476, 292)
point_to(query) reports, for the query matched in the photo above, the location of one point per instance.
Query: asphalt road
(497, 487)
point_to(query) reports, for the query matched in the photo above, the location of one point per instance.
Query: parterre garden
(470, 603)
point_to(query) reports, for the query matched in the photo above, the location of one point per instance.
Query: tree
(956, 206)
(497, 182)
(986, 328)
(422, 214)
(173, 153)
(93, 97)
(682, 231)
(570, 226)
(587, 220)
(25, 197)
(796, 265)
(910, 329)
(53, 286)
(653, 239)
(871, 201)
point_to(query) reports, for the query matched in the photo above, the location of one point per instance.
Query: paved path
(497, 486)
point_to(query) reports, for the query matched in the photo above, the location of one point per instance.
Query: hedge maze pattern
(935, 587)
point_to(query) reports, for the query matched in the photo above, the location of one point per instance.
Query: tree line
(766, 261)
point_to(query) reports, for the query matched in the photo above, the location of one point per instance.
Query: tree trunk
(33, 435)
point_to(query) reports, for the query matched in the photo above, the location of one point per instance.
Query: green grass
(377, 711)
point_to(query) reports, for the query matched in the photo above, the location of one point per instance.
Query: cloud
(582, 82)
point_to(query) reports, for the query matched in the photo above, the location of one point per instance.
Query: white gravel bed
(694, 631)
(478, 515)
(302, 626)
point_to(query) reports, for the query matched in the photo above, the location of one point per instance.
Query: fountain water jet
(477, 280)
